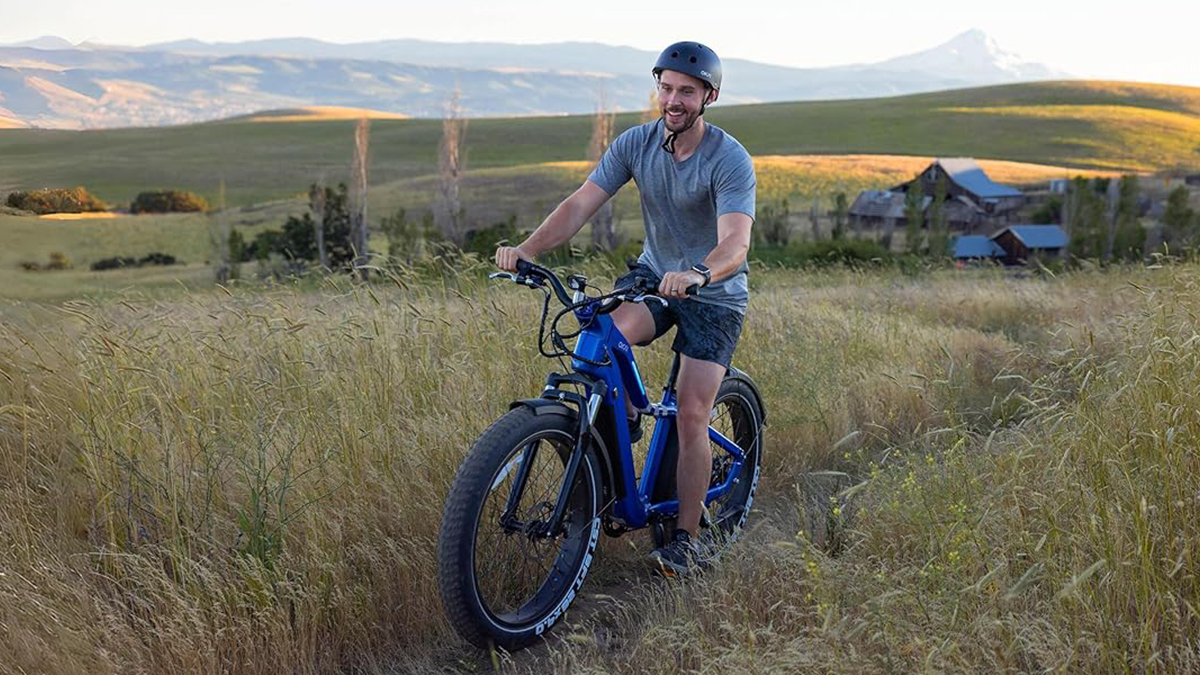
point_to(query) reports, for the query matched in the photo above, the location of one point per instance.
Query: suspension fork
(587, 414)
(553, 397)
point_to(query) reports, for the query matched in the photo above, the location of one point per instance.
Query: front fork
(553, 526)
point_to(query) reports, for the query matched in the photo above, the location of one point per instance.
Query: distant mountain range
(48, 82)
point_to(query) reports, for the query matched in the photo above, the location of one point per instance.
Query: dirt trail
(624, 580)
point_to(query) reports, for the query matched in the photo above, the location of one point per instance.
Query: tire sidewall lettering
(555, 615)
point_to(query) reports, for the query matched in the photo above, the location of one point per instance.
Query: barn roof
(881, 204)
(1037, 236)
(969, 175)
(976, 246)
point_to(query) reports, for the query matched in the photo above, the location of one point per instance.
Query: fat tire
(460, 520)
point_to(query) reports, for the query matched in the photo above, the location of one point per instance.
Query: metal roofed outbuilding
(1022, 242)
(970, 246)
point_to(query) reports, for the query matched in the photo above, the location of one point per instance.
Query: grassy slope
(1081, 124)
(489, 195)
(1027, 447)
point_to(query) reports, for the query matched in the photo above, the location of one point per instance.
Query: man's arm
(733, 242)
(558, 228)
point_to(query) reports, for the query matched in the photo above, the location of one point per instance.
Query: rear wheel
(503, 580)
(738, 416)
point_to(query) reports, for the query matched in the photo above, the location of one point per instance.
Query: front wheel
(503, 580)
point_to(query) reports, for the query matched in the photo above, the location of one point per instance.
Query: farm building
(875, 208)
(973, 201)
(967, 184)
(976, 247)
(1023, 242)
(1013, 245)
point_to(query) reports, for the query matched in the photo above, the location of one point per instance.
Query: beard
(684, 121)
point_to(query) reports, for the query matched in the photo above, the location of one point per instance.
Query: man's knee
(635, 322)
(692, 414)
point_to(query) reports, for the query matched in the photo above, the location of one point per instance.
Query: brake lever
(643, 297)
(503, 275)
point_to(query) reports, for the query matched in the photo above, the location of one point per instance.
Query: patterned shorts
(706, 332)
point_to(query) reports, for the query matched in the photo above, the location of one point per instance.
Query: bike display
(530, 500)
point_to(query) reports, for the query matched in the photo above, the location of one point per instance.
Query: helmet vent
(693, 59)
(674, 55)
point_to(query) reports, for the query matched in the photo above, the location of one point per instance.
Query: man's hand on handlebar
(676, 284)
(507, 257)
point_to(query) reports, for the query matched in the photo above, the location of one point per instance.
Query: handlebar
(536, 276)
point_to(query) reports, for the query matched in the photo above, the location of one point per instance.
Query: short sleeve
(615, 168)
(735, 185)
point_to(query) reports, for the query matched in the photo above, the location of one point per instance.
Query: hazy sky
(1149, 40)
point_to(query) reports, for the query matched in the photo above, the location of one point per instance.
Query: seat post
(670, 387)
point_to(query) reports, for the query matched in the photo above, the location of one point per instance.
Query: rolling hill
(1097, 125)
(52, 84)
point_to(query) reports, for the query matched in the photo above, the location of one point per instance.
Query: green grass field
(1099, 125)
(489, 196)
(251, 481)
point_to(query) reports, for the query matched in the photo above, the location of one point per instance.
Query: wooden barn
(880, 209)
(976, 199)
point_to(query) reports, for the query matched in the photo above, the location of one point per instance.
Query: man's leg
(697, 388)
(636, 323)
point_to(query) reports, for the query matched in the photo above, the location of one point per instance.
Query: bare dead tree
(604, 234)
(358, 228)
(448, 212)
(814, 217)
(219, 230)
(316, 203)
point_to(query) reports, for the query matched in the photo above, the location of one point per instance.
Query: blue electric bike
(527, 506)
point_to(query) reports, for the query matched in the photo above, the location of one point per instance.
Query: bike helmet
(689, 58)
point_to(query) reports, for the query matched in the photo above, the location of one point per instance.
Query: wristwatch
(703, 270)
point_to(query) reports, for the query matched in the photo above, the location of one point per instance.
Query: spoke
(511, 567)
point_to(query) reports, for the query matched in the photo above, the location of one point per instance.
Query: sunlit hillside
(1102, 125)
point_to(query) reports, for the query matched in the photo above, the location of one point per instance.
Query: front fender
(543, 406)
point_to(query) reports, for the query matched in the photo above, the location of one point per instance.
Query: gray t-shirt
(681, 201)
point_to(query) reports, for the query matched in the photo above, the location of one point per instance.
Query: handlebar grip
(692, 290)
(524, 266)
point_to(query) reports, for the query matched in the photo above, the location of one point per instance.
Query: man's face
(680, 98)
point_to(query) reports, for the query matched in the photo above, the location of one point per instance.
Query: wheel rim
(735, 419)
(520, 577)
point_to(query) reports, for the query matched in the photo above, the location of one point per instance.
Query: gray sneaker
(679, 557)
(635, 429)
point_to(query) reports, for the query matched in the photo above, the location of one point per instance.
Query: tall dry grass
(252, 481)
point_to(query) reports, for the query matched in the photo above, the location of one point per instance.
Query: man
(697, 190)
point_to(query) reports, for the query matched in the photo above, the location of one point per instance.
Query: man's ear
(712, 96)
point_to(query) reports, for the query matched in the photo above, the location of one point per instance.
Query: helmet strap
(669, 143)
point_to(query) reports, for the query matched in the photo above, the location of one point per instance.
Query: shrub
(118, 262)
(58, 261)
(298, 240)
(485, 240)
(113, 263)
(55, 200)
(168, 201)
(823, 253)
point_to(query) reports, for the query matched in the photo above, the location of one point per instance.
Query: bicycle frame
(602, 342)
